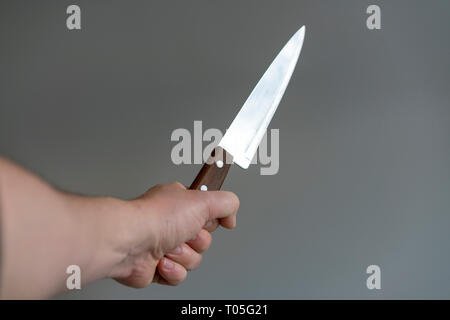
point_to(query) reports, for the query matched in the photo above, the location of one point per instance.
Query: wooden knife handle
(214, 171)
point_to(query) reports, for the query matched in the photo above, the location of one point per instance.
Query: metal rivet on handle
(219, 163)
(204, 188)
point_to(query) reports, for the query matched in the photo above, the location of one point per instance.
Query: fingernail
(177, 250)
(195, 237)
(168, 265)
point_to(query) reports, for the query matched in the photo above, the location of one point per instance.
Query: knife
(240, 142)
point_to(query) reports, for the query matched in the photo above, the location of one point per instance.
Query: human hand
(168, 231)
(132, 241)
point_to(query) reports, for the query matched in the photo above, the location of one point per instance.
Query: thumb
(222, 205)
(175, 215)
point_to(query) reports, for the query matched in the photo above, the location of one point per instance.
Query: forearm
(45, 230)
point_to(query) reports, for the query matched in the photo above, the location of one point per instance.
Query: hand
(170, 229)
(156, 237)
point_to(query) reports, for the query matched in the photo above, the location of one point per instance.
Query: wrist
(102, 228)
(125, 230)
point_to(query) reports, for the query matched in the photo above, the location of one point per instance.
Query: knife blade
(244, 135)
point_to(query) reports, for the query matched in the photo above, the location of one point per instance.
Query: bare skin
(157, 237)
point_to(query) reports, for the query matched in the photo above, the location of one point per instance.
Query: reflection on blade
(247, 129)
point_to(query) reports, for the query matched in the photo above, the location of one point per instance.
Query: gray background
(364, 132)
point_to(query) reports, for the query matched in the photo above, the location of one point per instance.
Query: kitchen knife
(242, 138)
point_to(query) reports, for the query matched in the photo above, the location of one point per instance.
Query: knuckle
(175, 278)
(204, 241)
(205, 207)
(176, 184)
(180, 279)
(197, 262)
(208, 240)
(194, 261)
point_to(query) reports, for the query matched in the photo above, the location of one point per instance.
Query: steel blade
(246, 131)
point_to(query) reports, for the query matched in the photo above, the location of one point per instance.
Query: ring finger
(185, 256)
